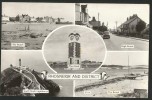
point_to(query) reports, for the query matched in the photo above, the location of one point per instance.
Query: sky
(64, 10)
(121, 58)
(56, 45)
(30, 58)
(110, 13)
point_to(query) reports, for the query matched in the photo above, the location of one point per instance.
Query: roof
(130, 20)
(95, 23)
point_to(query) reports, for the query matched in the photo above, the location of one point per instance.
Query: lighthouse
(74, 52)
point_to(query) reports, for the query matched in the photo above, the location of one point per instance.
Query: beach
(115, 87)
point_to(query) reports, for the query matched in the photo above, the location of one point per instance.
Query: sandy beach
(115, 89)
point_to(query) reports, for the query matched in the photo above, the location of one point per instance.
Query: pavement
(116, 43)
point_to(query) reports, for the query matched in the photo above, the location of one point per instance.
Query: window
(77, 61)
(70, 60)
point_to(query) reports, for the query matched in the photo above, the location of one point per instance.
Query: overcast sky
(121, 58)
(56, 45)
(117, 12)
(30, 58)
(64, 10)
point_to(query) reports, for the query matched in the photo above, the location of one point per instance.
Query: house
(129, 26)
(49, 19)
(119, 29)
(94, 23)
(81, 14)
(24, 18)
(5, 18)
(33, 19)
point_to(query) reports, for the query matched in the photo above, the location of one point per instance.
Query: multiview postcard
(98, 50)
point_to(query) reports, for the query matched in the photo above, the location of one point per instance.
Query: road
(115, 43)
(32, 78)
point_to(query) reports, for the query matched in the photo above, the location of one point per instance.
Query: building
(94, 23)
(33, 19)
(74, 54)
(81, 14)
(5, 18)
(119, 29)
(48, 19)
(129, 26)
(24, 18)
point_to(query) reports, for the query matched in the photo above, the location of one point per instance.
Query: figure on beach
(104, 76)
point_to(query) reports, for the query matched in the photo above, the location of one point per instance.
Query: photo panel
(124, 27)
(24, 73)
(25, 25)
(98, 50)
(123, 75)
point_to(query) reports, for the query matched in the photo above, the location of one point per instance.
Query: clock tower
(74, 52)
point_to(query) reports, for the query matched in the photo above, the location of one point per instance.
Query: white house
(5, 18)
(33, 19)
(81, 14)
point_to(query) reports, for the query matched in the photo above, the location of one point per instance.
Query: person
(104, 76)
(44, 74)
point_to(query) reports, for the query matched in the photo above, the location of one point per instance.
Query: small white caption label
(113, 92)
(127, 46)
(35, 91)
(87, 92)
(18, 44)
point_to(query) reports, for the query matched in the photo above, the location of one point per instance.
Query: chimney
(19, 62)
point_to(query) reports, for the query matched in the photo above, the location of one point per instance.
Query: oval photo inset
(74, 49)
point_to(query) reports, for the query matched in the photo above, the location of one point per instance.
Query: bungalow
(129, 26)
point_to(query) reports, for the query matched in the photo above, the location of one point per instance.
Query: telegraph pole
(98, 21)
(116, 24)
(20, 62)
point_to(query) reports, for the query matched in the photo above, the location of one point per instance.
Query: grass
(18, 33)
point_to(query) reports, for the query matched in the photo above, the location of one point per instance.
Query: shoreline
(116, 87)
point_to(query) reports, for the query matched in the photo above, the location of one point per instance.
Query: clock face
(77, 38)
(71, 37)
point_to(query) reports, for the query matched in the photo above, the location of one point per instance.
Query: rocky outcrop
(13, 83)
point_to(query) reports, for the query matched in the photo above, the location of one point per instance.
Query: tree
(140, 26)
(93, 19)
(39, 19)
(17, 18)
(103, 28)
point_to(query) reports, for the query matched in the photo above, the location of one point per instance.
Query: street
(115, 43)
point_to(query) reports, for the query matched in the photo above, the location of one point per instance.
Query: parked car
(106, 35)
(100, 33)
